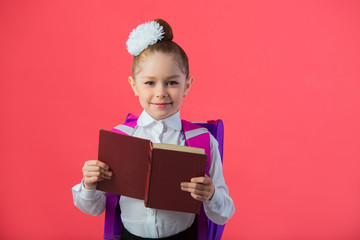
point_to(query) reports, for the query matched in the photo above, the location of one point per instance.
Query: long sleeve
(89, 201)
(221, 207)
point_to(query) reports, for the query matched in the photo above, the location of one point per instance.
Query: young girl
(160, 79)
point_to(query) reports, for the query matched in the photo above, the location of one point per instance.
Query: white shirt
(157, 223)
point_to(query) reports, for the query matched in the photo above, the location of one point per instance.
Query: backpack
(193, 133)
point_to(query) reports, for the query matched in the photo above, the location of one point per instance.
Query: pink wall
(283, 75)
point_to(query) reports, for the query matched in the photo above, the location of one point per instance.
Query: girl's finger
(92, 168)
(102, 165)
(92, 174)
(202, 192)
(198, 197)
(97, 163)
(108, 173)
(194, 185)
(97, 169)
(97, 174)
(105, 176)
(203, 180)
(91, 163)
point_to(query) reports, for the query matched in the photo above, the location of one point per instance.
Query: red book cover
(152, 172)
(128, 159)
(168, 169)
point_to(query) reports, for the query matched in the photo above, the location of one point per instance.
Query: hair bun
(168, 36)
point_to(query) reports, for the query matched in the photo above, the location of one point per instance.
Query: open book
(151, 171)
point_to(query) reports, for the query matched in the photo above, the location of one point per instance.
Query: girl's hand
(95, 171)
(201, 188)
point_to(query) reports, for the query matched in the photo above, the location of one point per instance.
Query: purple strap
(214, 231)
(112, 227)
(200, 141)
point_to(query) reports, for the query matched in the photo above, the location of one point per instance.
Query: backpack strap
(112, 227)
(128, 127)
(195, 135)
(198, 136)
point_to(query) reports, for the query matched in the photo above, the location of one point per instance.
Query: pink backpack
(196, 135)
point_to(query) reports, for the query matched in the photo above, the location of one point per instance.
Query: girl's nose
(161, 91)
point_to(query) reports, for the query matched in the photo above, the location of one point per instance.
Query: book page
(178, 148)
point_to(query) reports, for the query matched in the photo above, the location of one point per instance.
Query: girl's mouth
(161, 105)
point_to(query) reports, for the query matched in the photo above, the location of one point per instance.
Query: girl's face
(160, 85)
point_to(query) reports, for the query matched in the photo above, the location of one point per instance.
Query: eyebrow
(169, 77)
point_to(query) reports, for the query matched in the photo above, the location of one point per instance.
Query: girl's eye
(150, 83)
(172, 83)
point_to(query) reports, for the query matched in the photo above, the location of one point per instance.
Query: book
(151, 171)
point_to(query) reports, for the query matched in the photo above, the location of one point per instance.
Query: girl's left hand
(201, 188)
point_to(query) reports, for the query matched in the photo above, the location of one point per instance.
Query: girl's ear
(188, 83)
(133, 85)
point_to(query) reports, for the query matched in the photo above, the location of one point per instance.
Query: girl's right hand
(95, 171)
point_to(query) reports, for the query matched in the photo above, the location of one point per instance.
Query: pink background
(283, 75)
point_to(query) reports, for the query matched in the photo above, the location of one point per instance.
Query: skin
(160, 85)
(95, 171)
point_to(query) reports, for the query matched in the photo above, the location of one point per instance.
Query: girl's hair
(165, 45)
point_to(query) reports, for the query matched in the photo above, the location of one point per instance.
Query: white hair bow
(143, 36)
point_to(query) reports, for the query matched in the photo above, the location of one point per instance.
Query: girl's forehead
(158, 57)
(159, 63)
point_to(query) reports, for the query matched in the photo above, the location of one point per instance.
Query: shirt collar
(173, 121)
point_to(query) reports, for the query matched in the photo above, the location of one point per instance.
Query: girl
(160, 79)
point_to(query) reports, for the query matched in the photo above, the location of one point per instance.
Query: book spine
(148, 177)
